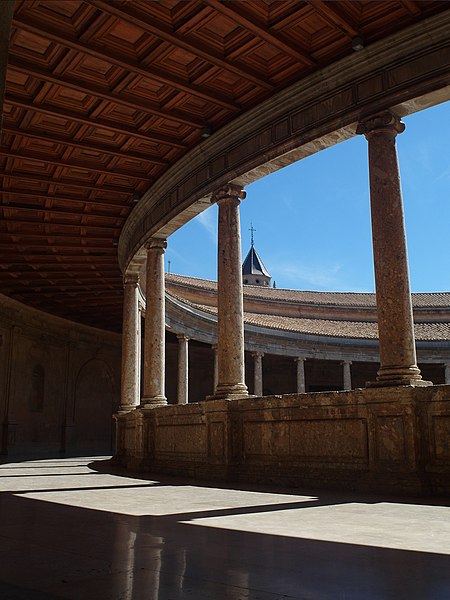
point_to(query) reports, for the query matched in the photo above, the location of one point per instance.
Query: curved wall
(59, 383)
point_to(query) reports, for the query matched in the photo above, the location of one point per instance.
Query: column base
(397, 376)
(398, 382)
(123, 410)
(153, 402)
(227, 391)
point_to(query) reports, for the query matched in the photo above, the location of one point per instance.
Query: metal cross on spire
(252, 229)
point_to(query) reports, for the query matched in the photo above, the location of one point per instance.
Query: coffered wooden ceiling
(103, 96)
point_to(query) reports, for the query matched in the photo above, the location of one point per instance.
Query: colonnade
(398, 363)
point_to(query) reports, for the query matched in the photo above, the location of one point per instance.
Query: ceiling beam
(92, 121)
(71, 165)
(411, 7)
(67, 283)
(60, 273)
(45, 236)
(234, 12)
(162, 32)
(109, 296)
(67, 182)
(62, 211)
(329, 11)
(51, 137)
(108, 261)
(57, 278)
(148, 107)
(121, 205)
(129, 66)
(35, 223)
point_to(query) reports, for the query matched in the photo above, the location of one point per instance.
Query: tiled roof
(328, 327)
(350, 299)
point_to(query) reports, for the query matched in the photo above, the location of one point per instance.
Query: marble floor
(74, 528)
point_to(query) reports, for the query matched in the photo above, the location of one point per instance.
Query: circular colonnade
(365, 93)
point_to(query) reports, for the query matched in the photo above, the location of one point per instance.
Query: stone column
(258, 373)
(216, 368)
(301, 386)
(447, 373)
(230, 309)
(131, 344)
(154, 341)
(347, 374)
(183, 369)
(398, 363)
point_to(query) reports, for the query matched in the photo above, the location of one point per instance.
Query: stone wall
(59, 383)
(394, 440)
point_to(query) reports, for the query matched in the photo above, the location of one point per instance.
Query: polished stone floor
(76, 529)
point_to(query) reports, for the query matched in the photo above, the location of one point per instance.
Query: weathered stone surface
(230, 307)
(154, 345)
(394, 307)
(381, 439)
(183, 370)
(131, 345)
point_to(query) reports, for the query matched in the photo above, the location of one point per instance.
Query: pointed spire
(253, 270)
(252, 230)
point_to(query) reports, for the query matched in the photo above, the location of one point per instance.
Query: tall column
(398, 363)
(258, 373)
(447, 373)
(183, 369)
(347, 374)
(301, 386)
(230, 308)
(154, 341)
(131, 344)
(216, 368)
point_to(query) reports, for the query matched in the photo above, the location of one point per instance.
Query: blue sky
(312, 219)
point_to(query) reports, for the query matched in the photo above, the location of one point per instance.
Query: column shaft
(154, 341)
(301, 386)
(347, 374)
(230, 347)
(131, 345)
(394, 308)
(258, 373)
(183, 370)
(447, 373)
(216, 368)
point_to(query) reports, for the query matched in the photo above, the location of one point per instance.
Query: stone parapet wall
(394, 440)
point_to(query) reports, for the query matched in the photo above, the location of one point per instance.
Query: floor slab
(78, 529)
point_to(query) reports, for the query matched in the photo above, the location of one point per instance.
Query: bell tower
(253, 270)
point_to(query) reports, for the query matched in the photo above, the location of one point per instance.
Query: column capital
(385, 122)
(131, 278)
(346, 362)
(300, 358)
(258, 354)
(229, 191)
(156, 244)
(182, 337)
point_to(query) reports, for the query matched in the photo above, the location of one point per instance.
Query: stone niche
(392, 440)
